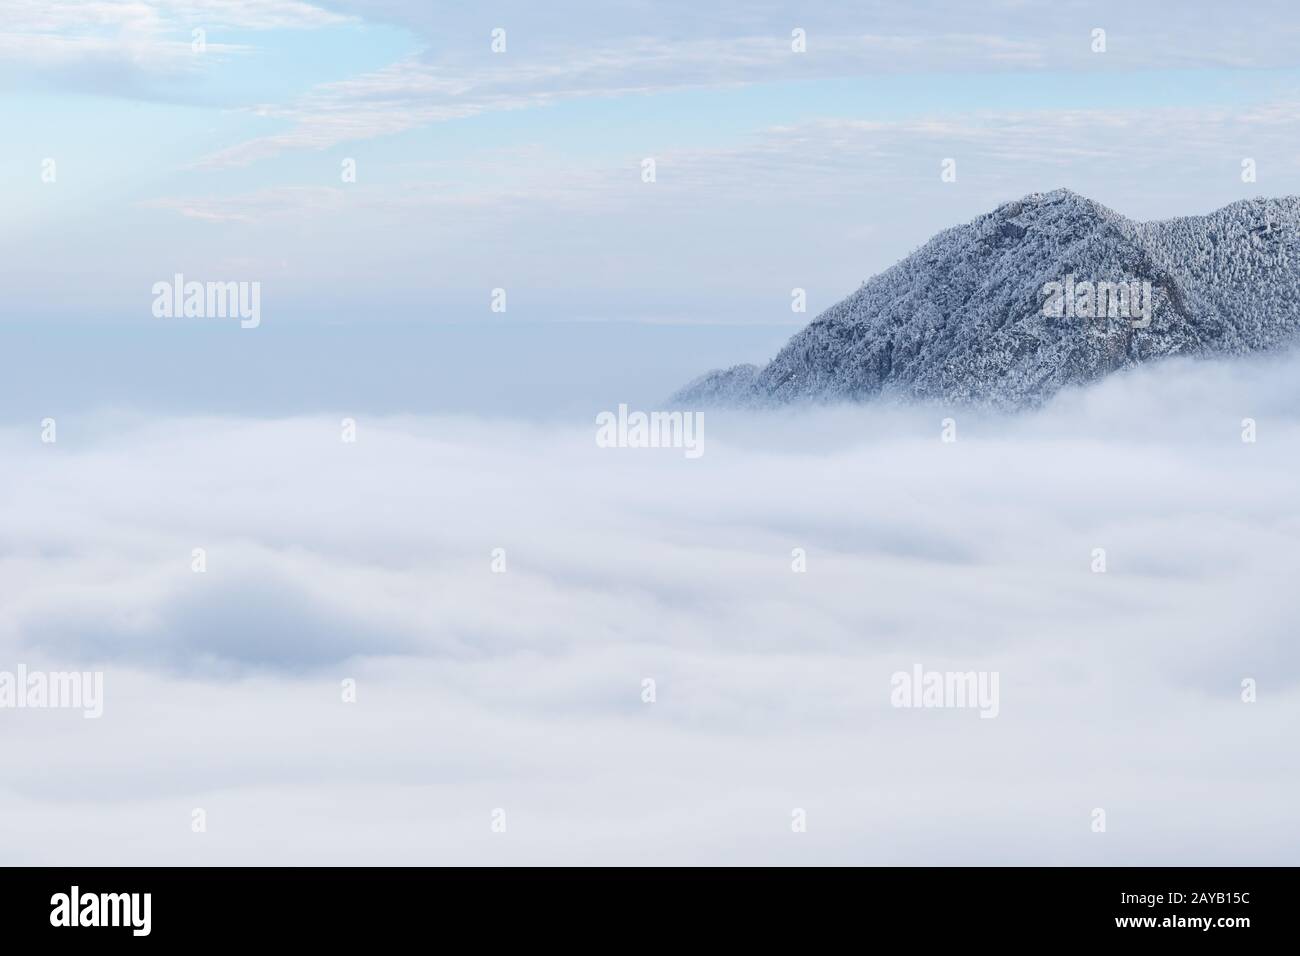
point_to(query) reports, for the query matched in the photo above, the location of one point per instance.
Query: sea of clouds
(522, 690)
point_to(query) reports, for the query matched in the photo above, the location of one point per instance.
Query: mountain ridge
(961, 319)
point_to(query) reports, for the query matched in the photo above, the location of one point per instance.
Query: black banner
(659, 907)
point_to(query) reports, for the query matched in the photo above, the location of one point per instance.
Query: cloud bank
(522, 690)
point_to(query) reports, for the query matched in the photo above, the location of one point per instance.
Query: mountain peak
(965, 318)
(1062, 199)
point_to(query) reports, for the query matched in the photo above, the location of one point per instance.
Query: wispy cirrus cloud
(820, 160)
(619, 54)
(256, 206)
(83, 39)
(420, 90)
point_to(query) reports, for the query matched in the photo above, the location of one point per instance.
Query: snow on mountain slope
(962, 319)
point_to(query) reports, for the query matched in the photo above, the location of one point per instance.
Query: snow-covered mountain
(962, 318)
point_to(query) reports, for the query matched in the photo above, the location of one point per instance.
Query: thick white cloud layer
(522, 690)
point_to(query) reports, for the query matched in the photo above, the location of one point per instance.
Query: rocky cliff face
(962, 319)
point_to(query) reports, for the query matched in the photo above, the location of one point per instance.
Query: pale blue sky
(521, 170)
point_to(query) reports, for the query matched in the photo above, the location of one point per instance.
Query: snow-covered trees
(961, 319)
